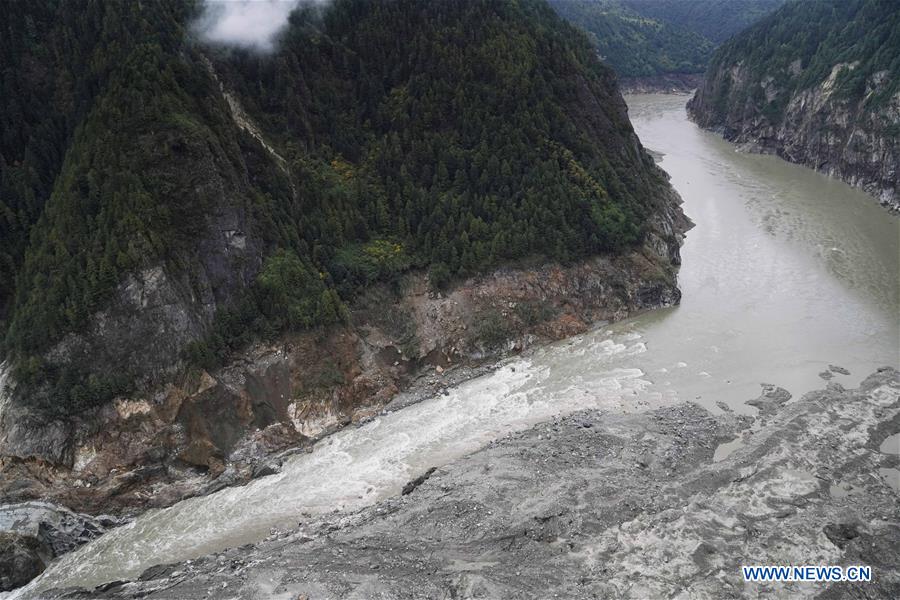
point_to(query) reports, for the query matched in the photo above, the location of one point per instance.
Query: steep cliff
(212, 253)
(817, 83)
(207, 429)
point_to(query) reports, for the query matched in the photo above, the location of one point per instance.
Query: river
(786, 272)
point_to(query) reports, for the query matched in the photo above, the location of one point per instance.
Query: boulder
(59, 529)
(22, 558)
(770, 400)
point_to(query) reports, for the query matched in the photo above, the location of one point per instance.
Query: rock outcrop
(205, 430)
(22, 558)
(843, 137)
(34, 533)
(57, 528)
(832, 104)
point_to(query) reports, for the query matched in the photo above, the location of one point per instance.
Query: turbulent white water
(357, 467)
(785, 272)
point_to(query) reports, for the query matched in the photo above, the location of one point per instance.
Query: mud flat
(597, 504)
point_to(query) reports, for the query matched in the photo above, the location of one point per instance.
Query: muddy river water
(786, 272)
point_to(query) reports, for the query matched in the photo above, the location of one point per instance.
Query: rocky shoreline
(672, 83)
(208, 430)
(818, 127)
(604, 505)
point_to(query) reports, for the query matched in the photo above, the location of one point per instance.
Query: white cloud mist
(246, 23)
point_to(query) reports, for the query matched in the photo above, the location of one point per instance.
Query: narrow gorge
(817, 84)
(215, 254)
(409, 299)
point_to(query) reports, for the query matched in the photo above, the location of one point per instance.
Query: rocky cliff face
(204, 430)
(819, 129)
(34, 533)
(808, 103)
(139, 334)
(667, 83)
(234, 158)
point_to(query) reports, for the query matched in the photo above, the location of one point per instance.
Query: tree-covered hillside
(234, 194)
(799, 46)
(642, 38)
(636, 45)
(715, 20)
(818, 83)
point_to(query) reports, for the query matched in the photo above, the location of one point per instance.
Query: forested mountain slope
(634, 44)
(651, 38)
(166, 202)
(715, 20)
(818, 83)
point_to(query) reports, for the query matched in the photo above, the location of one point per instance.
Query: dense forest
(715, 20)
(641, 38)
(386, 136)
(636, 45)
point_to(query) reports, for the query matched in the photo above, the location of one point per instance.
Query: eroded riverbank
(785, 273)
(598, 504)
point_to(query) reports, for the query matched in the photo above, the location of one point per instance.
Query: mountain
(663, 40)
(817, 83)
(634, 44)
(715, 20)
(206, 245)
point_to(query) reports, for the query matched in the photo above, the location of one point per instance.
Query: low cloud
(251, 24)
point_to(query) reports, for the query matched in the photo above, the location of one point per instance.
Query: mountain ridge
(660, 45)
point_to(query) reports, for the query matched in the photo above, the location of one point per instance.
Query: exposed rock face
(139, 336)
(202, 431)
(155, 314)
(22, 558)
(56, 527)
(604, 506)
(33, 533)
(670, 83)
(756, 98)
(834, 135)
